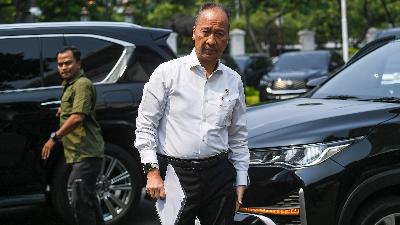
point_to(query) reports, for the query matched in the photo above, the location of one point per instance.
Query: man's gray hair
(212, 5)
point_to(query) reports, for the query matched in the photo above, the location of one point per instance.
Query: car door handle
(51, 104)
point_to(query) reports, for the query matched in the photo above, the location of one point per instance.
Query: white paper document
(169, 209)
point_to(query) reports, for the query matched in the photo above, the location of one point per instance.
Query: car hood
(306, 120)
(296, 74)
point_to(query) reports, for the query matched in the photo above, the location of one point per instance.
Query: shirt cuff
(241, 178)
(148, 156)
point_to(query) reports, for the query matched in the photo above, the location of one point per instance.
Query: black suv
(331, 157)
(293, 71)
(118, 58)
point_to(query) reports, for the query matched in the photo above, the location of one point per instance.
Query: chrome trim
(68, 24)
(119, 67)
(22, 200)
(123, 43)
(282, 92)
(30, 89)
(303, 212)
(264, 219)
(115, 73)
(58, 102)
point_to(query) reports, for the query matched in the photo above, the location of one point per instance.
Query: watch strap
(149, 166)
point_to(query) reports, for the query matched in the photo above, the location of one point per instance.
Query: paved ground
(44, 215)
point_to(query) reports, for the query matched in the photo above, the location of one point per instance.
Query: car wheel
(118, 186)
(382, 211)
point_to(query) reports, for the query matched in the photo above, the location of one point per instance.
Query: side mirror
(315, 82)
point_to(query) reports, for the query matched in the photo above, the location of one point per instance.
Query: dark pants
(210, 193)
(85, 204)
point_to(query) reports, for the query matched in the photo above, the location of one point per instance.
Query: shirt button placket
(204, 114)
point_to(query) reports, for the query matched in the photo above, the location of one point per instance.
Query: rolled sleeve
(237, 140)
(151, 110)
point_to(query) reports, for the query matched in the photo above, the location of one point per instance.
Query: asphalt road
(45, 215)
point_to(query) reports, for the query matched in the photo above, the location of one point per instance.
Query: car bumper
(305, 196)
(254, 219)
(271, 94)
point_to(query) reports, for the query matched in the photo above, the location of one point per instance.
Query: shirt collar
(75, 78)
(195, 63)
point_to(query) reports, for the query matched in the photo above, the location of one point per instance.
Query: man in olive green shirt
(81, 137)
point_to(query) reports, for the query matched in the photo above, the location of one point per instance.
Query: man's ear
(193, 30)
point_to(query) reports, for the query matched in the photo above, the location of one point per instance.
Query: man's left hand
(47, 149)
(239, 196)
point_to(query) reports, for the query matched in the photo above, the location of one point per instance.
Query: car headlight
(299, 155)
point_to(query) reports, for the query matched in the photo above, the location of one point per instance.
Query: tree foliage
(269, 24)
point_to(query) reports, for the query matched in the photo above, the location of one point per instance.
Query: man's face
(211, 35)
(68, 67)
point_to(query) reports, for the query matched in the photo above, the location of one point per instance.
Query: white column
(345, 36)
(307, 40)
(237, 44)
(371, 34)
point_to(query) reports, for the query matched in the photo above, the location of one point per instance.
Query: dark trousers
(210, 193)
(85, 204)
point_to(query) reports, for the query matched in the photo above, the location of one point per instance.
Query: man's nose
(211, 39)
(63, 66)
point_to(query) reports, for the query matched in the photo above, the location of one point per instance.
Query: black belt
(193, 163)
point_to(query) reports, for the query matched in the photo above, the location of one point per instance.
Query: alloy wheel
(114, 188)
(392, 219)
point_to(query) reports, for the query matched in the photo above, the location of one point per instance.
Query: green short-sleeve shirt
(85, 140)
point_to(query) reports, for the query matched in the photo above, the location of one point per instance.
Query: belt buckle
(195, 162)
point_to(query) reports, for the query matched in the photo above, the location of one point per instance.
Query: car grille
(290, 201)
(288, 84)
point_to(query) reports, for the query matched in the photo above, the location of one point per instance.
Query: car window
(98, 56)
(19, 63)
(50, 46)
(374, 75)
(141, 65)
(258, 65)
(296, 61)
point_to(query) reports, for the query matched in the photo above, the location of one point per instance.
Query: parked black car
(118, 58)
(289, 76)
(253, 67)
(388, 32)
(331, 157)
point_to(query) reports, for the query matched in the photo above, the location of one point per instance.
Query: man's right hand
(155, 185)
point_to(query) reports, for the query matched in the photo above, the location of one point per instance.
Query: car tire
(119, 186)
(380, 212)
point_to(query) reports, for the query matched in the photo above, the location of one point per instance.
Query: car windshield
(375, 76)
(301, 61)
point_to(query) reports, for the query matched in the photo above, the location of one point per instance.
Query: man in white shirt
(192, 116)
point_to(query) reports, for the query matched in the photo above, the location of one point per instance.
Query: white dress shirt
(185, 115)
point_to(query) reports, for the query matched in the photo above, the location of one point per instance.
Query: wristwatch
(149, 166)
(53, 136)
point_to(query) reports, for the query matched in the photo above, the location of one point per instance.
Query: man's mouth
(210, 50)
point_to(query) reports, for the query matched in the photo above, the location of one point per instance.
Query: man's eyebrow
(64, 62)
